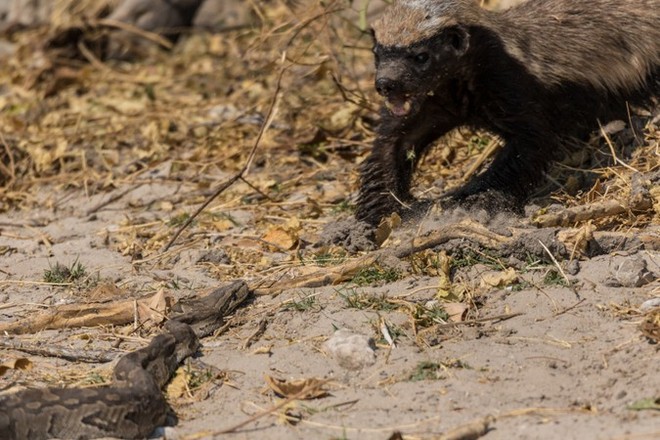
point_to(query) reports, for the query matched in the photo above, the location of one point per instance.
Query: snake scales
(133, 406)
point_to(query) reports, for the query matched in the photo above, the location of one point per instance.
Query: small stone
(632, 272)
(649, 304)
(352, 351)
(573, 267)
(215, 256)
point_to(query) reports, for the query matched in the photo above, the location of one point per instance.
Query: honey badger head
(418, 46)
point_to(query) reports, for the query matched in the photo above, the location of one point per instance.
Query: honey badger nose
(386, 86)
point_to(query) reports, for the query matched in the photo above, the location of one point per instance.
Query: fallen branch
(468, 230)
(346, 271)
(127, 27)
(79, 315)
(202, 314)
(325, 277)
(477, 320)
(639, 201)
(469, 431)
(76, 355)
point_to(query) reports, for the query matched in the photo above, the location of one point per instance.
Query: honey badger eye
(422, 57)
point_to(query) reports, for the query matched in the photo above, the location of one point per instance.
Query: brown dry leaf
(166, 206)
(125, 106)
(300, 389)
(45, 155)
(455, 310)
(385, 228)
(577, 239)
(650, 327)
(222, 224)
(290, 414)
(266, 349)
(104, 291)
(443, 265)
(279, 238)
(15, 364)
(152, 310)
(499, 279)
(178, 386)
(283, 237)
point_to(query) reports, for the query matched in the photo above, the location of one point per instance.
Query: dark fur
(478, 75)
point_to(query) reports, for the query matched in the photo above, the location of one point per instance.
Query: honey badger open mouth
(400, 105)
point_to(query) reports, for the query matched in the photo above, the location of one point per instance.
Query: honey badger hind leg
(510, 179)
(386, 174)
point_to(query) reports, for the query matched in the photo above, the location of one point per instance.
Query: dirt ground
(104, 160)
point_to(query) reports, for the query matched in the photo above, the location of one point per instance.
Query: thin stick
(561, 271)
(614, 156)
(75, 355)
(226, 184)
(134, 30)
(266, 412)
(111, 199)
(478, 320)
(554, 260)
(11, 170)
(492, 146)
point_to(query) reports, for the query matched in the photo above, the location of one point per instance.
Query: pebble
(352, 351)
(649, 304)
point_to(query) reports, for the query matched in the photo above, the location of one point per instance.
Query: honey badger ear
(458, 39)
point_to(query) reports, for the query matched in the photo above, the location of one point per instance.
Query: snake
(133, 405)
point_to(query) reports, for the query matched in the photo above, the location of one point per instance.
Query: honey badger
(536, 75)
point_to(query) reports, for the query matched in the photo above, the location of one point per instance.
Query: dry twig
(226, 184)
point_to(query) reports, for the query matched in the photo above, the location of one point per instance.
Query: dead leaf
(343, 118)
(104, 291)
(385, 228)
(266, 349)
(290, 414)
(15, 364)
(578, 239)
(645, 404)
(152, 310)
(300, 389)
(280, 239)
(455, 310)
(443, 266)
(655, 196)
(178, 386)
(222, 224)
(499, 279)
(285, 237)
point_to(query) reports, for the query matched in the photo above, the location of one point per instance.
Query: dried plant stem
(238, 176)
(561, 271)
(127, 27)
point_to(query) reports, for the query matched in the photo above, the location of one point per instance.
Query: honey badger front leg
(386, 174)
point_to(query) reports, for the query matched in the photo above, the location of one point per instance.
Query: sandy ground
(569, 366)
(101, 160)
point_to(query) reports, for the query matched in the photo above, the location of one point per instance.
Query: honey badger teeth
(398, 107)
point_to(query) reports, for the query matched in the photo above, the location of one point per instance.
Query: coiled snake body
(133, 406)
